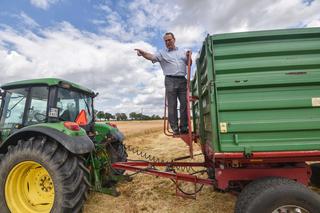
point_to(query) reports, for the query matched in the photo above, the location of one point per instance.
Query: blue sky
(91, 42)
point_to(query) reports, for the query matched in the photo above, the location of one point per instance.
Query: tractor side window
(70, 103)
(67, 101)
(37, 112)
(1, 99)
(13, 109)
(85, 103)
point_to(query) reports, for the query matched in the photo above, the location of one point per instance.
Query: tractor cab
(31, 102)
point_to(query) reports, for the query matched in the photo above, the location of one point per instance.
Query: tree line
(123, 117)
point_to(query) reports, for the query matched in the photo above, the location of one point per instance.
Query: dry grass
(150, 194)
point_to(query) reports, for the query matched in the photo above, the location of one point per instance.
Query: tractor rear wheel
(275, 194)
(39, 175)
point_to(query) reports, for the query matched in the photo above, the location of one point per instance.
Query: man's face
(169, 41)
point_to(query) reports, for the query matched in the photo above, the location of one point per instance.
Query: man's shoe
(176, 131)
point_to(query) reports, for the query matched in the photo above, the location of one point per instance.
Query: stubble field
(147, 193)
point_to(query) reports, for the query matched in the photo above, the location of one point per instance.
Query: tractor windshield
(70, 103)
(14, 107)
(24, 106)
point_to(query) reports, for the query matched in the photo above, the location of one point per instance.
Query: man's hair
(169, 33)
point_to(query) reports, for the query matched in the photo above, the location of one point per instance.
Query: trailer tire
(40, 175)
(118, 153)
(210, 173)
(271, 194)
(315, 177)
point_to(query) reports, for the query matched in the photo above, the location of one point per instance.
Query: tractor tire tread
(69, 177)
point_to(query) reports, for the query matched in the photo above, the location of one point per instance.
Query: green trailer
(257, 115)
(255, 100)
(259, 91)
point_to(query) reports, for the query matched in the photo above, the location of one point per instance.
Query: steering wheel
(39, 117)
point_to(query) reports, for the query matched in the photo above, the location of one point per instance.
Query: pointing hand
(139, 52)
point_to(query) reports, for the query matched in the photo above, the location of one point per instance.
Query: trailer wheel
(117, 153)
(275, 194)
(315, 177)
(210, 172)
(39, 175)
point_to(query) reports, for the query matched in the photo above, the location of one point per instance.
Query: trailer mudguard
(76, 144)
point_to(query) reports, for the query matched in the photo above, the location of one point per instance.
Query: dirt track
(150, 194)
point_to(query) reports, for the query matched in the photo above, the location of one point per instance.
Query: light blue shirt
(172, 62)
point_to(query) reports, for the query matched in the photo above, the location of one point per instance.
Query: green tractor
(52, 151)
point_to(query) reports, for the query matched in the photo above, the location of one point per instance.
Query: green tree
(108, 116)
(123, 116)
(118, 116)
(133, 115)
(100, 115)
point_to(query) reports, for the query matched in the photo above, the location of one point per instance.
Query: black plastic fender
(118, 136)
(74, 144)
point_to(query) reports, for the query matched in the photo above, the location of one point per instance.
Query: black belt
(175, 76)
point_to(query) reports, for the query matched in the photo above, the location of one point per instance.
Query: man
(173, 62)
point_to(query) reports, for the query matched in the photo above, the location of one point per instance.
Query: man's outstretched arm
(144, 54)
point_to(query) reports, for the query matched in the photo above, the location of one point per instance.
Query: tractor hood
(105, 130)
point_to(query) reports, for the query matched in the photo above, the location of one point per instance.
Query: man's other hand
(188, 53)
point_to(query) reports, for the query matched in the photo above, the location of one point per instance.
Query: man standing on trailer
(173, 62)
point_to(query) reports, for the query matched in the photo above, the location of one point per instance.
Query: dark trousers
(176, 88)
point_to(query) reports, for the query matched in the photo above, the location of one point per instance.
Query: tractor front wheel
(39, 175)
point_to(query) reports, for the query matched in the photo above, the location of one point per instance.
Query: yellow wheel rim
(29, 188)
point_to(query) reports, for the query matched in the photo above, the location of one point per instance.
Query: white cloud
(229, 16)
(27, 20)
(314, 23)
(98, 62)
(191, 20)
(188, 36)
(139, 19)
(43, 4)
(106, 62)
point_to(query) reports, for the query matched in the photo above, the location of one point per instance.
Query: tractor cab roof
(47, 82)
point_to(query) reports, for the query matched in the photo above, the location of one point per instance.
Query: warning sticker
(53, 112)
(316, 102)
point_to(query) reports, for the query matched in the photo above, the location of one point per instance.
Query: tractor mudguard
(75, 144)
(117, 135)
(106, 130)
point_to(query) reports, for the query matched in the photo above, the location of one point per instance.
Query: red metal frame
(278, 157)
(224, 176)
(147, 167)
